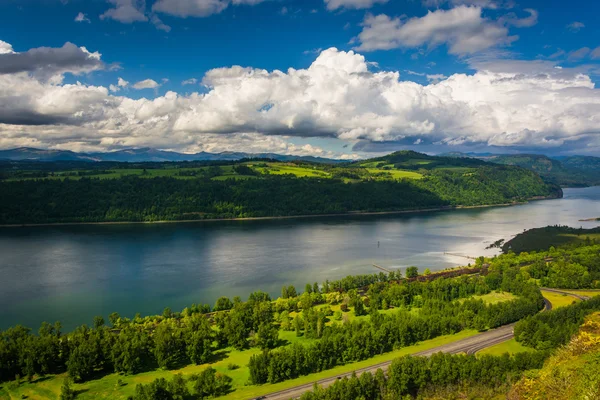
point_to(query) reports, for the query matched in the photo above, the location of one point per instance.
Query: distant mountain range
(144, 155)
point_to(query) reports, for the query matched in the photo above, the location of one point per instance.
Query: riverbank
(351, 213)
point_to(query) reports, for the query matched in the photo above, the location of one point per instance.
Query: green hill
(74, 192)
(574, 171)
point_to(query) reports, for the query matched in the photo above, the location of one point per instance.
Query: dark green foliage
(359, 340)
(169, 346)
(98, 322)
(199, 338)
(210, 383)
(66, 391)
(259, 296)
(223, 303)
(551, 329)
(288, 292)
(177, 388)
(408, 375)
(156, 390)
(132, 198)
(412, 272)
(541, 239)
(267, 336)
(130, 352)
(575, 171)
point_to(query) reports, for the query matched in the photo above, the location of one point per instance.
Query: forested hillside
(575, 171)
(537, 239)
(173, 191)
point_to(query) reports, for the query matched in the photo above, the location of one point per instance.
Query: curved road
(469, 345)
(582, 298)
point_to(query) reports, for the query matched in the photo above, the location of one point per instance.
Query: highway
(469, 345)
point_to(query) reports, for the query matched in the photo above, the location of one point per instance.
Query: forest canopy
(157, 192)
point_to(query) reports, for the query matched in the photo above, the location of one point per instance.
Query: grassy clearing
(588, 293)
(396, 173)
(559, 300)
(253, 391)
(106, 387)
(292, 169)
(495, 297)
(510, 346)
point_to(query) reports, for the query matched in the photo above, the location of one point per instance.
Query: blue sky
(167, 42)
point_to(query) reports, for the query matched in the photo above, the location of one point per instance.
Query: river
(71, 273)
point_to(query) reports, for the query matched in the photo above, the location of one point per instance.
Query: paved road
(582, 298)
(469, 345)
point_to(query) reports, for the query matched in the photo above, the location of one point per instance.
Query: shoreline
(351, 213)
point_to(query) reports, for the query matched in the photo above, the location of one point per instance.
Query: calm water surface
(71, 273)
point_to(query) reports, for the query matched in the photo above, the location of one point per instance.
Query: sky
(330, 78)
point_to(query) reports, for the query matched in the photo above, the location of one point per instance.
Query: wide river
(71, 273)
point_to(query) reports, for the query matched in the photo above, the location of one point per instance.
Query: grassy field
(227, 172)
(559, 300)
(396, 173)
(292, 169)
(588, 293)
(107, 388)
(495, 297)
(510, 346)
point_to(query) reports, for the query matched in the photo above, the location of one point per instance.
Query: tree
(291, 291)
(359, 306)
(210, 383)
(308, 288)
(130, 352)
(167, 313)
(316, 288)
(412, 272)
(82, 362)
(222, 304)
(427, 272)
(114, 318)
(98, 321)
(178, 388)
(259, 296)
(199, 338)
(168, 345)
(66, 392)
(267, 336)
(237, 326)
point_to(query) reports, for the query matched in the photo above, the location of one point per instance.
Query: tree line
(408, 376)
(360, 340)
(131, 198)
(549, 330)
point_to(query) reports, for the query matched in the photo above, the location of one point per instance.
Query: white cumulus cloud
(515, 104)
(146, 84)
(5, 48)
(463, 29)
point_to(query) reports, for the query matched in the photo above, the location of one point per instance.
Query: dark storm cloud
(48, 60)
